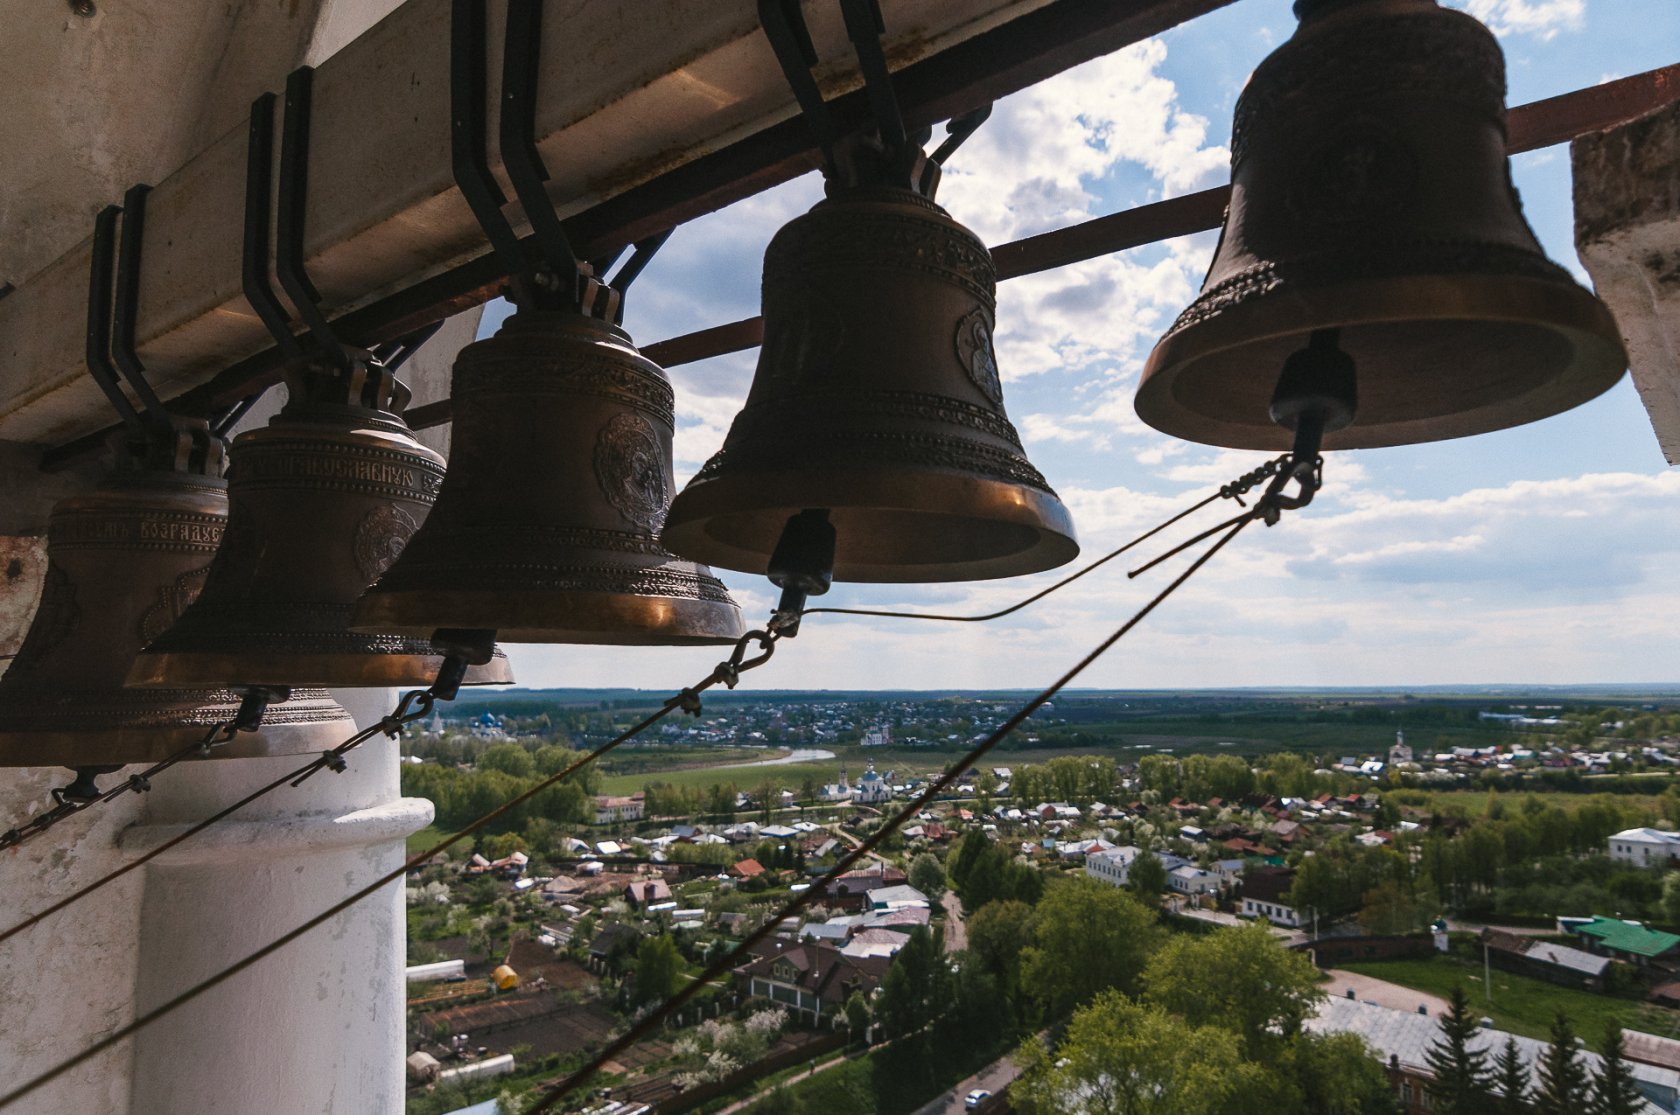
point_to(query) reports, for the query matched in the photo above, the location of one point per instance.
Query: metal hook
(259, 169)
(520, 57)
(99, 364)
(292, 212)
(127, 301)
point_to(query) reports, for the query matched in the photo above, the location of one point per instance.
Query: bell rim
(189, 669)
(128, 744)
(777, 495)
(619, 619)
(1565, 308)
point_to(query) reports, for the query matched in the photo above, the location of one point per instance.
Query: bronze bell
(123, 562)
(1371, 194)
(321, 500)
(877, 398)
(559, 477)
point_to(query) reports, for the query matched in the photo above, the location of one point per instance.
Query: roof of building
(1561, 955)
(820, 969)
(1649, 835)
(1407, 1036)
(748, 868)
(1625, 936)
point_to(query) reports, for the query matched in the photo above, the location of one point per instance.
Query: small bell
(321, 500)
(877, 398)
(123, 562)
(559, 477)
(1371, 195)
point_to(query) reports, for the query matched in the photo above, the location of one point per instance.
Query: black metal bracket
(290, 214)
(887, 154)
(98, 350)
(554, 278)
(164, 440)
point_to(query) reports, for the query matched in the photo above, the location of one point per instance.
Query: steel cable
(799, 901)
(688, 700)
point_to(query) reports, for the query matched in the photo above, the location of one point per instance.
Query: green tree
(928, 875)
(1240, 979)
(1613, 1090)
(1126, 1058)
(1088, 937)
(1463, 1081)
(1390, 909)
(916, 987)
(1671, 898)
(1331, 1074)
(997, 936)
(1511, 1078)
(1147, 877)
(657, 968)
(1563, 1087)
(509, 758)
(857, 1014)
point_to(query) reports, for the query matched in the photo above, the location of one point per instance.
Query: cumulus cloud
(1542, 19)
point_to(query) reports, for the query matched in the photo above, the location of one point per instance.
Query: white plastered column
(1627, 228)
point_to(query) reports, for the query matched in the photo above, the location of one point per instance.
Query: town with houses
(1525, 862)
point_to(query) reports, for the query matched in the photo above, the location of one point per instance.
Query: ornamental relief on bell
(979, 359)
(630, 468)
(172, 599)
(380, 537)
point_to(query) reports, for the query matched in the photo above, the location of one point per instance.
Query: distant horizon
(1466, 688)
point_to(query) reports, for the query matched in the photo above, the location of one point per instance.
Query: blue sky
(1541, 554)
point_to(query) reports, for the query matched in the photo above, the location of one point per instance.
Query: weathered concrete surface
(23, 566)
(1627, 228)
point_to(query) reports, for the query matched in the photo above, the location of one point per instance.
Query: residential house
(1626, 940)
(812, 980)
(610, 810)
(1645, 847)
(898, 897)
(644, 893)
(747, 869)
(1114, 865)
(1266, 895)
(1556, 963)
(1193, 881)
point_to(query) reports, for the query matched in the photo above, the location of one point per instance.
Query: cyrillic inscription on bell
(322, 499)
(877, 398)
(124, 562)
(559, 478)
(1371, 194)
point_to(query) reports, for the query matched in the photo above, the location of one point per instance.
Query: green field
(1522, 1004)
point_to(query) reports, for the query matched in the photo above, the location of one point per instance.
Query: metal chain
(328, 760)
(726, 673)
(218, 735)
(1235, 490)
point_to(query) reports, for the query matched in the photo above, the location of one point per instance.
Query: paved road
(1380, 991)
(992, 1078)
(956, 934)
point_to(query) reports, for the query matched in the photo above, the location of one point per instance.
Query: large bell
(321, 500)
(123, 562)
(877, 398)
(559, 477)
(1370, 194)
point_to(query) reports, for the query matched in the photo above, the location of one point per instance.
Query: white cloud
(1540, 18)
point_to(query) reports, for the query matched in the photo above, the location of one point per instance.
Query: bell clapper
(802, 566)
(1316, 394)
(461, 647)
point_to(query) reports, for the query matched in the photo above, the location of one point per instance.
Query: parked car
(975, 1098)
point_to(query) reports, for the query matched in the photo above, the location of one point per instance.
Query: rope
(722, 967)
(1236, 489)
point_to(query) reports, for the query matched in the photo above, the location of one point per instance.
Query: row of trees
(462, 796)
(1468, 1080)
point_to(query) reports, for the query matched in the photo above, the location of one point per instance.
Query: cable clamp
(689, 701)
(139, 783)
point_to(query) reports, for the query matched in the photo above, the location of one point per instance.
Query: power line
(799, 901)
